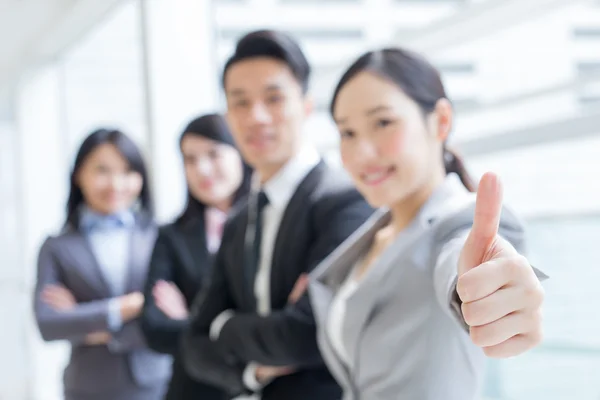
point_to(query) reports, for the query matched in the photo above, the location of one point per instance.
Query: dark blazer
(180, 256)
(67, 260)
(324, 210)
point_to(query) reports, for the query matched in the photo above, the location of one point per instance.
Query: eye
(346, 134)
(214, 153)
(274, 99)
(103, 169)
(241, 103)
(383, 122)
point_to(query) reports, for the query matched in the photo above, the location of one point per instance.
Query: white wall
(15, 364)
(558, 178)
(182, 83)
(42, 168)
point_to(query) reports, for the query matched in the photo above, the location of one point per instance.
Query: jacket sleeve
(288, 336)
(203, 359)
(161, 332)
(72, 324)
(128, 338)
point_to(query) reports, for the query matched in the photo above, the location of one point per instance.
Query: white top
(279, 190)
(337, 314)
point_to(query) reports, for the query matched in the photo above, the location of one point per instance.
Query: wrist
(131, 305)
(218, 323)
(251, 377)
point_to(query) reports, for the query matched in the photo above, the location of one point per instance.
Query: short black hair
(128, 149)
(274, 44)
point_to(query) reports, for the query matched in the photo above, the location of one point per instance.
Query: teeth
(374, 176)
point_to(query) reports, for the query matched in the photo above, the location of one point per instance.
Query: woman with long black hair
(216, 179)
(91, 276)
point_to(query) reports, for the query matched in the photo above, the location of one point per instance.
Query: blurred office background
(524, 76)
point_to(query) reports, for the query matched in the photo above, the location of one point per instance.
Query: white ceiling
(31, 31)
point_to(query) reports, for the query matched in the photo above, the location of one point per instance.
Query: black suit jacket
(324, 210)
(180, 256)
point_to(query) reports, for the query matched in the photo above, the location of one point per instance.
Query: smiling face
(266, 110)
(390, 149)
(107, 182)
(213, 170)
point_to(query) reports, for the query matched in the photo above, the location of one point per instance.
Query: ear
(443, 119)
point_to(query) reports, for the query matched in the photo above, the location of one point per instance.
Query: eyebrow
(377, 109)
(236, 92)
(273, 87)
(369, 112)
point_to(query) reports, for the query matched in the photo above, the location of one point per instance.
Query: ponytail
(454, 163)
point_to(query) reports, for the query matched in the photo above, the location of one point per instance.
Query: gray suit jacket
(67, 260)
(403, 329)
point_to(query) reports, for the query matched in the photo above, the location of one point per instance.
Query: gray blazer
(67, 260)
(402, 329)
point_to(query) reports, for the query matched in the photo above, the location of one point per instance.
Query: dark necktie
(252, 250)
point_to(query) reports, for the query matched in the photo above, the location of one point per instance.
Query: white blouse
(337, 314)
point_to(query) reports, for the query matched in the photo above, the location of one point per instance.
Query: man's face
(266, 109)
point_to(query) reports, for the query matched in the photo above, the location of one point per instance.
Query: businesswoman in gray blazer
(216, 178)
(408, 307)
(90, 276)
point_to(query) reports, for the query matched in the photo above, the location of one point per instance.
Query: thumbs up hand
(501, 296)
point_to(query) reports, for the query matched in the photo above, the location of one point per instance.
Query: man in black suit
(243, 323)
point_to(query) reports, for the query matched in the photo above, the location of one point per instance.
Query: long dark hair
(416, 77)
(213, 127)
(128, 150)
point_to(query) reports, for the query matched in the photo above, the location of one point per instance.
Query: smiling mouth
(377, 177)
(260, 141)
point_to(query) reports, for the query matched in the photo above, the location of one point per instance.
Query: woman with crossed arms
(216, 178)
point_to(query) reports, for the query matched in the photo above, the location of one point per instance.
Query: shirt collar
(280, 188)
(214, 217)
(91, 220)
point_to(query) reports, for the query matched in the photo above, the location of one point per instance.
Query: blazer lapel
(83, 258)
(297, 203)
(321, 297)
(196, 258)
(338, 265)
(328, 278)
(142, 241)
(330, 275)
(364, 301)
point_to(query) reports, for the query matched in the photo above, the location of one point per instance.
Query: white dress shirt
(279, 190)
(214, 222)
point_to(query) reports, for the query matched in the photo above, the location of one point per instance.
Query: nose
(117, 182)
(357, 153)
(204, 166)
(365, 150)
(259, 113)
